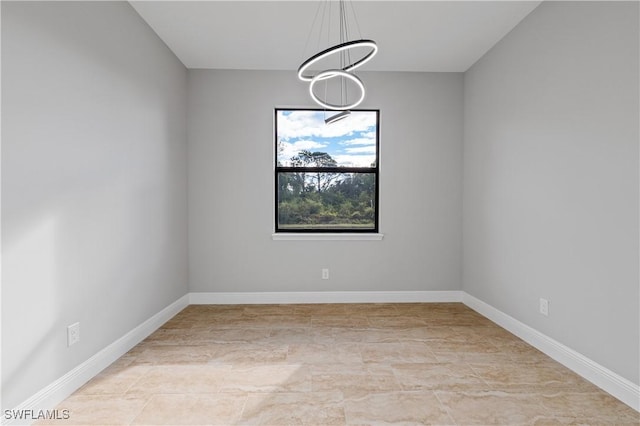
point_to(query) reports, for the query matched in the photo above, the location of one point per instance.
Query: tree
(321, 180)
(310, 196)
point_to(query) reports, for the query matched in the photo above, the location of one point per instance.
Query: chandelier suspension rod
(327, 59)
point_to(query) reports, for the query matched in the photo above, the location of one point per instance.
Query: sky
(350, 141)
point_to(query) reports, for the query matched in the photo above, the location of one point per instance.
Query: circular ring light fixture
(336, 49)
(331, 74)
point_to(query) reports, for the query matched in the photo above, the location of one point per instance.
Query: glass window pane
(304, 140)
(325, 201)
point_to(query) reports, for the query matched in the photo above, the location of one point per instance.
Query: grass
(328, 226)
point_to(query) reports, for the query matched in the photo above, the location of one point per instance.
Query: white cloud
(359, 141)
(355, 160)
(299, 124)
(287, 150)
(361, 150)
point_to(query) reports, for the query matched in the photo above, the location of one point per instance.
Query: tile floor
(356, 364)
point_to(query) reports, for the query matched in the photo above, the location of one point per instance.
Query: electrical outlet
(73, 334)
(544, 307)
(325, 274)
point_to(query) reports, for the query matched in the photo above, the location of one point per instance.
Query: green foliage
(325, 200)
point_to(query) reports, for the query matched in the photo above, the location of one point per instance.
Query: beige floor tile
(438, 376)
(99, 410)
(387, 335)
(179, 336)
(348, 335)
(320, 353)
(271, 321)
(115, 380)
(472, 357)
(375, 309)
(509, 376)
(424, 334)
(309, 335)
(348, 321)
(362, 364)
(397, 408)
(422, 309)
(240, 335)
(265, 310)
(465, 346)
(202, 312)
(325, 335)
(352, 385)
(192, 409)
(416, 352)
(186, 323)
(470, 351)
(468, 319)
(492, 407)
(580, 421)
(351, 368)
(494, 334)
(595, 405)
(307, 408)
(131, 357)
(181, 379)
(288, 335)
(267, 378)
(247, 353)
(520, 351)
(175, 354)
(321, 309)
(397, 322)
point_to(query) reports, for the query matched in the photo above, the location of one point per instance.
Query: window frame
(360, 170)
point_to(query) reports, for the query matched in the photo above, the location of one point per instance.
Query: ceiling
(423, 36)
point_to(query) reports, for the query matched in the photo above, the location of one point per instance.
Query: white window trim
(291, 236)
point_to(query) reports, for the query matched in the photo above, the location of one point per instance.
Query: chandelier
(332, 82)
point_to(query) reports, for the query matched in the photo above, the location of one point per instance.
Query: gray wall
(551, 178)
(93, 184)
(231, 187)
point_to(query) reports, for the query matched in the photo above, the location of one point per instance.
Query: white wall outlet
(325, 274)
(544, 307)
(73, 334)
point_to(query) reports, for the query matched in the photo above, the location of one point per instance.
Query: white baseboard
(325, 297)
(607, 380)
(59, 390)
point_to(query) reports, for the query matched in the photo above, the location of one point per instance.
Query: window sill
(326, 237)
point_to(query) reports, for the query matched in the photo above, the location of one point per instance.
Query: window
(326, 175)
